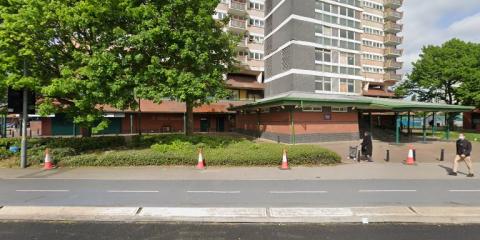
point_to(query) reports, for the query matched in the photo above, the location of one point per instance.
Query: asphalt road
(321, 193)
(169, 231)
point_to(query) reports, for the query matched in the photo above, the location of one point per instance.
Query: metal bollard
(442, 155)
(415, 155)
(278, 139)
(387, 157)
(359, 155)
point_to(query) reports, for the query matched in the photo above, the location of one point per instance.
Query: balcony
(393, 4)
(393, 65)
(393, 52)
(391, 27)
(242, 60)
(238, 26)
(237, 8)
(392, 40)
(393, 15)
(392, 77)
(243, 44)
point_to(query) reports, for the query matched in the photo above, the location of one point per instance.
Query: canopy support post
(434, 121)
(292, 139)
(408, 126)
(371, 123)
(424, 127)
(397, 127)
(447, 127)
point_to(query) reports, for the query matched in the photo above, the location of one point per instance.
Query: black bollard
(442, 155)
(359, 155)
(414, 155)
(387, 157)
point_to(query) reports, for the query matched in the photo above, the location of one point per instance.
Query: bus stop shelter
(296, 101)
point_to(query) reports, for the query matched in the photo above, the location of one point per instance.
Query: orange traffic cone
(284, 165)
(201, 160)
(48, 165)
(410, 159)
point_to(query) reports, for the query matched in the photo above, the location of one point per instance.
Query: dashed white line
(131, 191)
(464, 190)
(376, 191)
(218, 192)
(297, 192)
(41, 190)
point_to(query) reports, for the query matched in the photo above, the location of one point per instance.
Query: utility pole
(23, 152)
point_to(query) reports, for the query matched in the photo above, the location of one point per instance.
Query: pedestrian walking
(367, 146)
(464, 150)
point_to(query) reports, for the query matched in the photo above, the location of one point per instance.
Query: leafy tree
(187, 53)
(66, 47)
(450, 73)
(82, 55)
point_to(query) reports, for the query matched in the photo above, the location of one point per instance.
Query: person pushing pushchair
(367, 146)
(366, 149)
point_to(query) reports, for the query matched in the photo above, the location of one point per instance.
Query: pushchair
(353, 153)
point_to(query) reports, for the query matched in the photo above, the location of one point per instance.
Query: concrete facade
(344, 46)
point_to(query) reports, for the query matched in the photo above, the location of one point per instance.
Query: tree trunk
(86, 132)
(189, 119)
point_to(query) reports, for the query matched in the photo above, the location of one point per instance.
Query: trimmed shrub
(239, 154)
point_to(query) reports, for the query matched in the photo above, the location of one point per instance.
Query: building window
(323, 84)
(323, 55)
(256, 39)
(257, 6)
(257, 22)
(220, 15)
(255, 55)
(339, 109)
(347, 85)
(312, 109)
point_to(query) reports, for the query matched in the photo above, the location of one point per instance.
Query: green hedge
(169, 149)
(243, 153)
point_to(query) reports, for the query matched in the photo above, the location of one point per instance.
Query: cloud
(428, 22)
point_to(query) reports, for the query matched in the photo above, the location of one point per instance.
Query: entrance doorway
(220, 124)
(204, 124)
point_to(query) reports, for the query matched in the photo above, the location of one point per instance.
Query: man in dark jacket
(367, 146)
(464, 150)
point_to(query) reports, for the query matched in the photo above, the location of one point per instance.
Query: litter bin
(14, 149)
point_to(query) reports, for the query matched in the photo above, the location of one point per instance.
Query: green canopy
(360, 102)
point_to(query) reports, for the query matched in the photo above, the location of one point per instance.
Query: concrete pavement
(352, 170)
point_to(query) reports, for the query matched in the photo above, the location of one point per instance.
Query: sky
(432, 22)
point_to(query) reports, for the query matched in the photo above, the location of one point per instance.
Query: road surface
(300, 193)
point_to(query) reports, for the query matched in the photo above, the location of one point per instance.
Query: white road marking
(220, 192)
(42, 190)
(295, 192)
(375, 191)
(131, 191)
(464, 190)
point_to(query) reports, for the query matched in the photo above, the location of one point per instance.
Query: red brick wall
(246, 122)
(46, 127)
(313, 122)
(467, 120)
(153, 122)
(304, 122)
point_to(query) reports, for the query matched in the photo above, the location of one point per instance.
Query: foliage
(243, 153)
(450, 72)
(170, 149)
(84, 55)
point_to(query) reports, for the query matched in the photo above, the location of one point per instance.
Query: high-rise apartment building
(380, 45)
(332, 46)
(246, 21)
